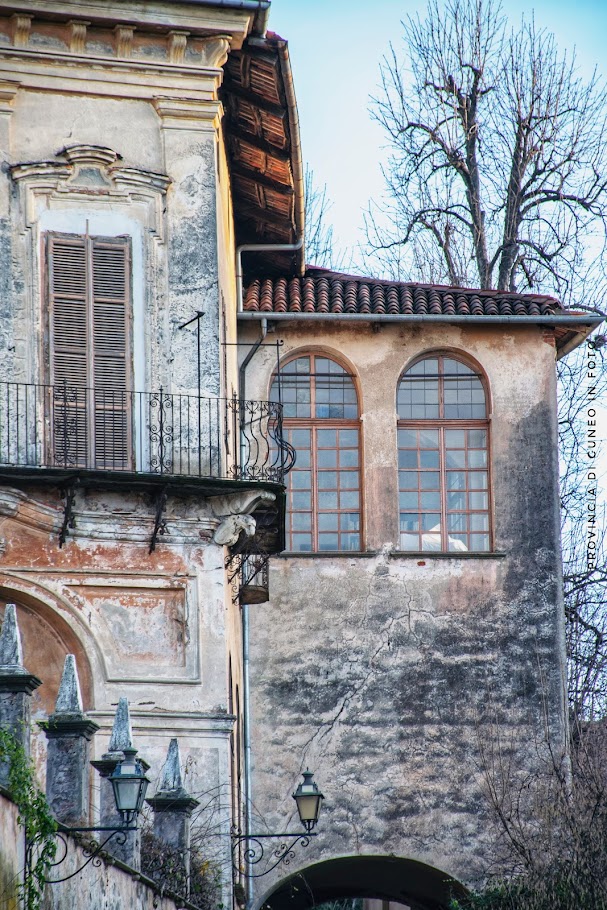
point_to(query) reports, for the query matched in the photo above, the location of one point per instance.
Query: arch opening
(386, 878)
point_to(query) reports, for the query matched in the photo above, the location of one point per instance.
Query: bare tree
(498, 169)
(497, 178)
(321, 249)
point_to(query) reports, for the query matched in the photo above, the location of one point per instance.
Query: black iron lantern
(130, 785)
(308, 798)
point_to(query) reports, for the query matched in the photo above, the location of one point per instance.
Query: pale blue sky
(336, 47)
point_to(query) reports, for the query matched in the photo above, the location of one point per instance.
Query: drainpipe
(246, 702)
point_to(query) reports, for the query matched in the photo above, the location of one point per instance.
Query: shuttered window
(89, 304)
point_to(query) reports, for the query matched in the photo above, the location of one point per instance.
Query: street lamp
(129, 784)
(309, 800)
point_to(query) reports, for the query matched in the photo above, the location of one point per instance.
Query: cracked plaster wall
(395, 678)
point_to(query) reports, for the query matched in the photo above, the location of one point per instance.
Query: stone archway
(389, 878)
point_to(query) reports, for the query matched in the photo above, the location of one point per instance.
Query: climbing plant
(34, 816)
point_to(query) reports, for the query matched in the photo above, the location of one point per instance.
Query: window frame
(441, 424)
(92, 410)
(313, 424)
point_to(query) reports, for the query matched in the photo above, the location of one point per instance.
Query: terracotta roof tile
(322, 291)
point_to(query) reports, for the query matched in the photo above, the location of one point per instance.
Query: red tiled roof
(321, 291)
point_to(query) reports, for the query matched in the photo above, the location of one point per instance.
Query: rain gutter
(553, 319)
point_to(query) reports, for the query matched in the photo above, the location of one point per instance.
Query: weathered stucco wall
(11, 854)
(102, 886)
(394, 677)
(139, 110)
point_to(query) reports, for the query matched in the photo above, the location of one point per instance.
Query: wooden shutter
(89, 284)
(110, 367)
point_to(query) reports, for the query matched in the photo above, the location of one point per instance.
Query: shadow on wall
(387, 878)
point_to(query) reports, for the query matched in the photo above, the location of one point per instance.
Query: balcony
(148, 441)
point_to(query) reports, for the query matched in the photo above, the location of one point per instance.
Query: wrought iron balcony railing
(104, 429)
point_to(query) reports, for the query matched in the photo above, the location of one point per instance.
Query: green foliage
(35, 817)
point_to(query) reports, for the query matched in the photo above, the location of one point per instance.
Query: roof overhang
(264, 153)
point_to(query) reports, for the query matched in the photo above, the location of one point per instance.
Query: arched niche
(46, 639)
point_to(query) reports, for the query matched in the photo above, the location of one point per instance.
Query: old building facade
(162, 356)
(129, 465)
(412, 650)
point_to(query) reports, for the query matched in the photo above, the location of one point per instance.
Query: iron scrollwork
(264, 452)
(92, 851)
(161, 432)
(255, 851)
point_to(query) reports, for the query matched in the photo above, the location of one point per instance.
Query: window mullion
(443, 488)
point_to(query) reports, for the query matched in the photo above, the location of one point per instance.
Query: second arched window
(321, 422)
(443, 457)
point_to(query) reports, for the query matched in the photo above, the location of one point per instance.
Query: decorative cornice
(19, 682)
(185, 114)
(60, 725)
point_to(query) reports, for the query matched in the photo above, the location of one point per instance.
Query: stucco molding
(95, 174)
(194, 725)
(186, 114)
(8, 93)
(114, 77)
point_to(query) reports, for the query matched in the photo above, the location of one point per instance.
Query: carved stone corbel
(215, 51)
(21, 26)
(239, 503)
(230, 529)
(124, 40)
(178, 42)
(78, 29)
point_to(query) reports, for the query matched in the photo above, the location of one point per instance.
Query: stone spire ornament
(173, 806)
(69, 732)
(171, 780)
(122, 733)
(11, 652)
(16, 686)
(69, 697)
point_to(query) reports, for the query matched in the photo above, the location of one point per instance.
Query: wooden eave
(262, 143)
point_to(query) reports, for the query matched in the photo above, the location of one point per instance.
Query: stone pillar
(173, 807)
(69, 733)
(16, 687)
(121, 738)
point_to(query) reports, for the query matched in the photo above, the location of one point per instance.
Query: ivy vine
(35, 817)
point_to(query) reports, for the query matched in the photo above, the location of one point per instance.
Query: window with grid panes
(89, 307)
(443, 457)
(320, 409)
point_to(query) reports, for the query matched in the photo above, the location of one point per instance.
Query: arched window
(443, 444)
(321, 423)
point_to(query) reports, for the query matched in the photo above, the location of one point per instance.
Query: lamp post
(308, 800)
(129, 785)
